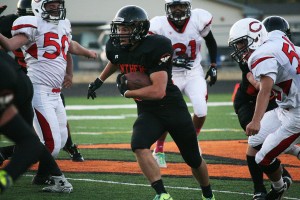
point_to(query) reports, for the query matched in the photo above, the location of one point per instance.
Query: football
(137, 80)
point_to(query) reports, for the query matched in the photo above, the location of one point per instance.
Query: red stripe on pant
(46, 130)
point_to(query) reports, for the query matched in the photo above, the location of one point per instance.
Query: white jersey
(189, 40)
(277, 58)
(45, 53)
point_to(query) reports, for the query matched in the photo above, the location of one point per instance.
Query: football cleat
(74, 153)
(5, 181)
(278, 194)
(163, 196)
(211, 198)
(61, 185)
(259, 196)
(160, 158)
(2, 159)
(42, 180)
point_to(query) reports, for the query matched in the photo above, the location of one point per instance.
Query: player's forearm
(262, 102)
(108, 71)
(69, 69)
(77, 49)
(13, 43)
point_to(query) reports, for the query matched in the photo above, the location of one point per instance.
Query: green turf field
(110, 125)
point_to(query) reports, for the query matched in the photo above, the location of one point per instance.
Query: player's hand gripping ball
(132, 81)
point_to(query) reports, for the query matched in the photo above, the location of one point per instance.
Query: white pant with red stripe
(193, 85)
(279, 131)
(50, 120)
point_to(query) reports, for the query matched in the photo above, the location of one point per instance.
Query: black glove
(2, 8)
(182, 61)
(122, 83)
(212, 72)
(92, 87)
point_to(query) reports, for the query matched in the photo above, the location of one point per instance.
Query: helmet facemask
(53, 15)
(178, 17)
(241, 48)
(135, 34)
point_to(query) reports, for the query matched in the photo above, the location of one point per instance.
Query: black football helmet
(24, 8)
(277, 23)
(178, 17)
(133, 17)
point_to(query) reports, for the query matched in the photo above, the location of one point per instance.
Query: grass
(221, 124)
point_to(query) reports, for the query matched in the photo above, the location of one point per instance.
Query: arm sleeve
(211, 46)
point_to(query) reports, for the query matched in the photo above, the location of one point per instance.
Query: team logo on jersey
(165, 58)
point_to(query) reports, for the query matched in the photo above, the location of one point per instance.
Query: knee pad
(268, 169)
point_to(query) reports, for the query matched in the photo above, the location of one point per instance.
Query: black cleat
(74, 153)
(2, 159)
(278, 194)
(259, 196)
(42, 180)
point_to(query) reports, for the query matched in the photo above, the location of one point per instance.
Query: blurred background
(91, 18)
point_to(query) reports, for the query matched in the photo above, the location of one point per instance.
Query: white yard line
(172, 187)
(131, 106)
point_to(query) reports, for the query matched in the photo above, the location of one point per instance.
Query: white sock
(278, 184)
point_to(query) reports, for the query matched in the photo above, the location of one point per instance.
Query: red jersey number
(49, 40)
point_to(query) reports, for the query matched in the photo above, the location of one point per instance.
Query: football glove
(92, 87)
(182, 61)
(122, 84)
(212, 72)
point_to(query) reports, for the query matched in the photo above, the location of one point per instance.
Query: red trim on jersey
(259, 61)
(283, 145)
(150, 33)
(209, 23)
(20, 57)
(182, 29)
(46, 130)
(285, 86)
(33, 51)
(17, 27)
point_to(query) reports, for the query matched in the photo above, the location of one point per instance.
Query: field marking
(171, 187)
(120, 132)
(131, 106)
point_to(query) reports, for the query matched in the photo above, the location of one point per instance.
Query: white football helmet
(245, 36)
(38, 8)
(178, 16)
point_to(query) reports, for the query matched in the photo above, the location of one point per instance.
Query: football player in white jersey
(187, 29)
(274, 62)
(45, 40)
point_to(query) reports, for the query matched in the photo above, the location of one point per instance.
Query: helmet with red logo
(245, 36)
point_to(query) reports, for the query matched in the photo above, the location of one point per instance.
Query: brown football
(137, 80)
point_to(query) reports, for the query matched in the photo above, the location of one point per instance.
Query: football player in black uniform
(160, 106)
(244, 106)
(29, 149)
(6, 22)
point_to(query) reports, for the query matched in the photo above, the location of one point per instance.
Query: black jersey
(8, 76)
(153, 54)
(245, 86)
(6, 23)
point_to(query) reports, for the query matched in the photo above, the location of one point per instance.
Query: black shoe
(74, 153)
(259, 196)
(278, 194)
(42, 180)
